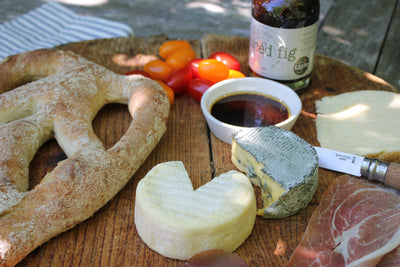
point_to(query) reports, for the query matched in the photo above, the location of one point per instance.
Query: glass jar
(283, 39)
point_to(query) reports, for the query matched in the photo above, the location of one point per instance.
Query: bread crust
(63, 98)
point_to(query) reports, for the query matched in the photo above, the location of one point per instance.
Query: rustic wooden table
(109, 238)
(362, 35)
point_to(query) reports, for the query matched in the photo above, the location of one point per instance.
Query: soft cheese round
(281, 163)
(179, 222)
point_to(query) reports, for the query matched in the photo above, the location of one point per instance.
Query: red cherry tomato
(197, 87)
(194, 66)
(180, 58)
(158, 70)
(227, 59)
(167, 48)
(140, 72)
(213, 70)
(179, 80)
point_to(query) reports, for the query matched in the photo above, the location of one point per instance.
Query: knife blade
(372, 169)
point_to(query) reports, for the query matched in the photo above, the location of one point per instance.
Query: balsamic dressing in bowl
(234, 104)
(249, 110)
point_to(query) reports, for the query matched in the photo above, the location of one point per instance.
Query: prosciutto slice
(356, 224)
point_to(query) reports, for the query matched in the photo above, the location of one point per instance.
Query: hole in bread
(44, 161)
(110, 124)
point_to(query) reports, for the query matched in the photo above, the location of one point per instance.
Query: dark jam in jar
(249, 110)
(283, 39)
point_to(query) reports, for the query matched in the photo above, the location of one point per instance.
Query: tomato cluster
(179, 70)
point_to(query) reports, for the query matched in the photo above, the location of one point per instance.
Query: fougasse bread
(58, 94)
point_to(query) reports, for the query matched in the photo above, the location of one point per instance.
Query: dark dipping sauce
(249, 110)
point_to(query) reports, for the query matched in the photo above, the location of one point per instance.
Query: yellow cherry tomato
(235, 74)
(169, 47)
(180, 58)
(213, 70)
(158, 69)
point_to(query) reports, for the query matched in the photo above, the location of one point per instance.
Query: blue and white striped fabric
(53, 24)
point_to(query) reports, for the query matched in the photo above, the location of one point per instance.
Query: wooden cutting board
(109, 237)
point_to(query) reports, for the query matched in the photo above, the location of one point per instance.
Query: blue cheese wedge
(282, 164)
(179, 222)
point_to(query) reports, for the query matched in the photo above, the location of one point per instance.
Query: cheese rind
(178, 222)
(282, 164)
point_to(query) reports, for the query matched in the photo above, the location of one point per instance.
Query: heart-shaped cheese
(179, 222)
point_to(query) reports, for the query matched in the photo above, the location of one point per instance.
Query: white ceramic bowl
(263, 86)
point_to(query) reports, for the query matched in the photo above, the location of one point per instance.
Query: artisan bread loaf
(361, 122)
(178, 222)
(60, 95)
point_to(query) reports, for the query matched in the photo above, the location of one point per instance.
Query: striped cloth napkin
(53, 24)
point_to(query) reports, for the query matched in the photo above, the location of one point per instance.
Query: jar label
(282, 54)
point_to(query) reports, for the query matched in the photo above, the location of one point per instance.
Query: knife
(372, 169)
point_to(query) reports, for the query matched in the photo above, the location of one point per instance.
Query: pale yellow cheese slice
(362, 122)
(178, 222)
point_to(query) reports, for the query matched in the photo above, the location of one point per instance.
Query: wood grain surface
(362, 34)
(109, 237)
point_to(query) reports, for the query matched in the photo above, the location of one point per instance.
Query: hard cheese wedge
(282, 164)
(362, 122)
(178, 222)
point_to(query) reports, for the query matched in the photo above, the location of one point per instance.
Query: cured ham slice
(356, 224)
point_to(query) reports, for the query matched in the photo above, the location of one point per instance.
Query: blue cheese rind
(282, 164)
